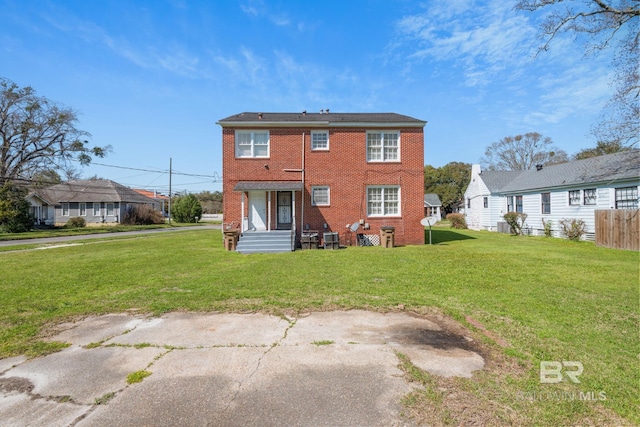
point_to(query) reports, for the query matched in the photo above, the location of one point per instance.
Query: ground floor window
(83, 209)
(574, 197)
(546, 203)
(65, 209)
(383, 201)
(110, 210)
(519, 204)
(627, 198)
(590, 196)
(96, 209)
(485, 200)
(320, 196)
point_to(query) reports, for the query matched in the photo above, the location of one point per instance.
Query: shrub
(187, 208)
(457, 220)
(14, 209)
(547, 227)
(573, 228)
(76, 222)
(142, 215)
(516, 221)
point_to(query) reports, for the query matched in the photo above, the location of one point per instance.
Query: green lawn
(550, 299)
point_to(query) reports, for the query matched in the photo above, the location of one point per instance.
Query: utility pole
(170, 161)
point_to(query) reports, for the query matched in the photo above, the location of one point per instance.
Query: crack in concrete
(292, 323)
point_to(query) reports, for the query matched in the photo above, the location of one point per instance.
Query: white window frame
(97, 208)
(82, 208)
(65, 209)
(315, 147)
(111, 209)
(384, 205)
(381, 153)
(626, 197)
(316, 192)
(251, 144)
(592, 198)
(546, 203)
(574, 198)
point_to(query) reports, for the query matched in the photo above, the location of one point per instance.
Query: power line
(216, 177)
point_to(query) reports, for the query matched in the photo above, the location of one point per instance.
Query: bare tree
(606, 24)
(522, 152)
(37, 135)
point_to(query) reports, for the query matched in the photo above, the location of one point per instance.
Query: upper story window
(545, 199)
(627, 198)
(320, 140)
(383, 146)
(252, 143)
(383, 201)
(574, 197)
(320, 196)
(590, 196)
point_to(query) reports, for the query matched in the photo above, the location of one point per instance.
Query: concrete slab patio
(320, 369)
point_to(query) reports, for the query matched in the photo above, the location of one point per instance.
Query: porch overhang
(268, 186)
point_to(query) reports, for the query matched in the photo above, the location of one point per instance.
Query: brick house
(324, 171)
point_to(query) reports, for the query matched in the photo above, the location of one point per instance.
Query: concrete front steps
(252, 242)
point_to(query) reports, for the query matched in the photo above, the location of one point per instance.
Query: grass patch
(103, 400)
(323, 342)
(137, 377)
(550, 299)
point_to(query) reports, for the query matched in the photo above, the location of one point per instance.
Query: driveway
(320, 369)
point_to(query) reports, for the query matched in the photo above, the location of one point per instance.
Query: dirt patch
(16, 384)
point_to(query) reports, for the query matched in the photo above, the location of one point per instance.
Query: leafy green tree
(186, 208)
(38, 135)
(211, 202)
(448, 182)
(601, 149)
(14, 209)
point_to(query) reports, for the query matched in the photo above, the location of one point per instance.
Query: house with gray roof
(432, 205)
(331, 174)
(98, 201)
(552, 193)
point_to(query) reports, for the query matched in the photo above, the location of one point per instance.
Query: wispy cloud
(481, 38)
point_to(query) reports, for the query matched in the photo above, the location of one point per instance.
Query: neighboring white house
(432, 205)
(552, 193)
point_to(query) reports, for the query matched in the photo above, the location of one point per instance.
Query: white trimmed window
(320, 140)
(252, 143)
(545, 202)
(320, 196)
(83, 209)
(383, 146)
(574, 198)
(627, 198)
(590, 195)
(383, 201)
(96, 209)
(110, 210)
(65, 209)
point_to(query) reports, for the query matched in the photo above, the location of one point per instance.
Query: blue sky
(152, 78)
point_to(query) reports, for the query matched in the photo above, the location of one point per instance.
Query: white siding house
(552, 193)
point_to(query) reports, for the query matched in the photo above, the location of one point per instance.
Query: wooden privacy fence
(618, 229)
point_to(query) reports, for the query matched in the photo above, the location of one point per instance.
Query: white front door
(257, 210)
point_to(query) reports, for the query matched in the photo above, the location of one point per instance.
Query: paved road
(64, 239)
(320, 369)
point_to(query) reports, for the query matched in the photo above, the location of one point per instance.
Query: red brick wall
(344, 169)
